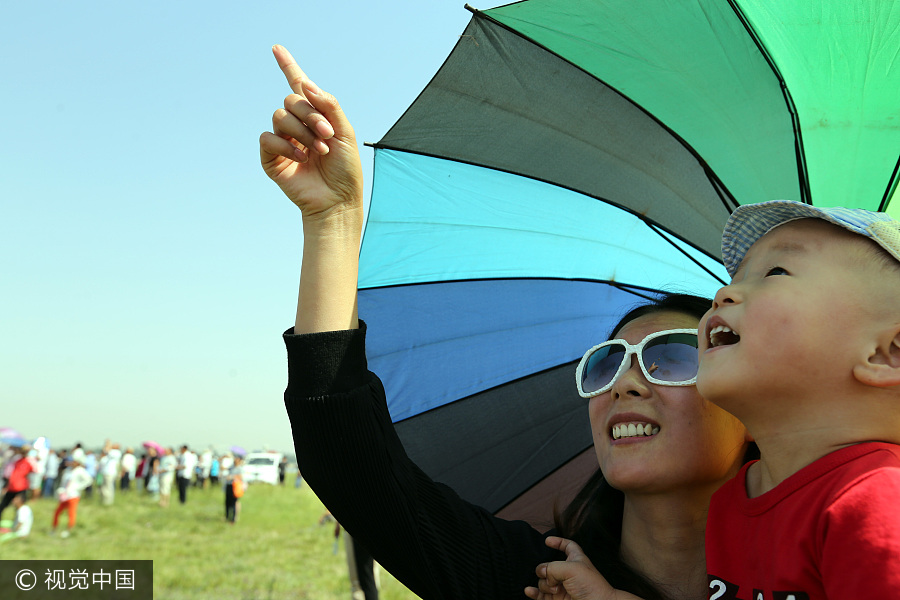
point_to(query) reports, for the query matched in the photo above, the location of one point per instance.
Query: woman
(167, 465)
(421, 531)
(640, 519)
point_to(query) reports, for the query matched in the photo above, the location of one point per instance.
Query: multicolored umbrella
(572, 155)
(11, 437)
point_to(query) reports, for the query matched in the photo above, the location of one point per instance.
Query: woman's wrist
(328, 276)
(339, 223)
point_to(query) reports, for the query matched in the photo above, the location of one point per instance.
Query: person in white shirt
(187, 461)
(128, 466)
(51, 472)
(225, 464)
(78, 454)
(74, 481)
(167, 465)
(205, 466)
(24, 519)
(114, 451)
(107, 473)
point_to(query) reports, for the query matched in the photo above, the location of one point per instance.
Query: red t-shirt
(830, 530)
(18, 481)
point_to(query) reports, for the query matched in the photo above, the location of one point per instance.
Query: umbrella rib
(691, 258)
(891, 187)
(568, 460)
(802, 174)
(728, 200)
(571, 364)
(631, 288)
(640, 216)
(721, 190)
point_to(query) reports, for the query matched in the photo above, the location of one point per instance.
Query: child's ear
(882, 368)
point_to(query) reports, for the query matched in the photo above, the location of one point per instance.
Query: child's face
(796, 310)
(695, 445)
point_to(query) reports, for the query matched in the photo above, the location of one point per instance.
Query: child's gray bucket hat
(752, 221)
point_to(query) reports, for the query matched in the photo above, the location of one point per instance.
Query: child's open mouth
(722, 335)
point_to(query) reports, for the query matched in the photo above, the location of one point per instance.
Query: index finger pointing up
(292, 71)
(316, 108)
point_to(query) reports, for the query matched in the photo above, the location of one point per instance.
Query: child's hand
(576, 578)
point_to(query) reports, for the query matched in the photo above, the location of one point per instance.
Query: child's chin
(714, 390)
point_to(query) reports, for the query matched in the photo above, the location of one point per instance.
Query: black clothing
(365, 569)
(183, 483)
(230, 503)
(437, 544)
(8, 498)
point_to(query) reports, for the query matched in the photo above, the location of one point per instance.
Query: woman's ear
(882, 368)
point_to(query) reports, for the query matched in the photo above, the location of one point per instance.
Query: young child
(803, 347)
(75, 480)
(24, 519)
(576, 578)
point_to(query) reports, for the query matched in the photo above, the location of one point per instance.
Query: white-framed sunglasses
(666, 358)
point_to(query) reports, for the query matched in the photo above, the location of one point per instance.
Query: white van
(261, 466)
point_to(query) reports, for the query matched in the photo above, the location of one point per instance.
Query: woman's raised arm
(312, 155)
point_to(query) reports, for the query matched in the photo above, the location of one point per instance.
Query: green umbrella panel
(795, 99)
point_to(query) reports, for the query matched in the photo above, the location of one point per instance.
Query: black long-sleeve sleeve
(422, 532)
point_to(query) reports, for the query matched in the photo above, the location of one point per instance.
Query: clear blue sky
(148, 266)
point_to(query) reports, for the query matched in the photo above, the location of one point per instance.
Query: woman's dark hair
(594, 517)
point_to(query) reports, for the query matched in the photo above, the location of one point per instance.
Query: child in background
(21, 526)
(75, 480)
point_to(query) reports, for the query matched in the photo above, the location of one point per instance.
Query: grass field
(276, 550)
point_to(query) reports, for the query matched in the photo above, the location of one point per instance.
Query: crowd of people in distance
(29, 473)
(67, 475)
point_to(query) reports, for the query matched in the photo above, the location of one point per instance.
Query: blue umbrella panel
(481, 290)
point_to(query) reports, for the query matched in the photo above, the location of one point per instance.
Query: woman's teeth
(633, 430)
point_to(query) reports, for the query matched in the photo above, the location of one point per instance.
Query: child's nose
(725, 295)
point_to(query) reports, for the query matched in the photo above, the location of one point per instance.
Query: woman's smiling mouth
(626, 430)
